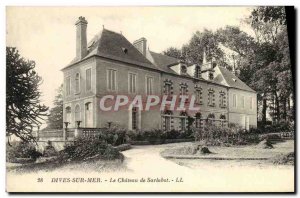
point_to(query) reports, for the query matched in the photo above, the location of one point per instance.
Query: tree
(23, 108)
(272, 76)
(173, 52)
(55, 118)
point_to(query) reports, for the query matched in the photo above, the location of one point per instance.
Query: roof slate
(111, 45)
(229, 78)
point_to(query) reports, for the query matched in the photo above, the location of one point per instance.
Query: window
(149, 85)
(77, 83)
(251, 103)
(223, 119)
(111, 80)
(197, 72)
(88, 115)
(198, 120)
(198, 93)
(167, 120)
(68, 114)
(77, 113)
(168, 87)
(234, 97)
(68, 86)
(183, 69)
(88, 74)
(211, 97)
(132, 83)
(183, 120)
(134, 118)
(183, 89)
(211, 76)
(222, 99)
(243, 101)
(210, 119)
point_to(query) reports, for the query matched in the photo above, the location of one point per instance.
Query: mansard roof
(115, 46)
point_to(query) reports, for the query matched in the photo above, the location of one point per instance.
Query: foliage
(49, 150)
(217, 135)
(85, 148)
(22, 150)
(173, 52)
(269, 13)
(159, 135)
(23, 108)
(55, 118)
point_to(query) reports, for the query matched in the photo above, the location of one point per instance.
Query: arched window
(198, 120)
(223, 119)
(210, 118)
(77, 83)
(183, 69)
(167, 120)
(77, 113)
(68, 114)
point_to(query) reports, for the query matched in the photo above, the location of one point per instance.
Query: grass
(234, 152)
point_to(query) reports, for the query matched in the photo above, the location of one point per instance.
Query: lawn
(238, 155)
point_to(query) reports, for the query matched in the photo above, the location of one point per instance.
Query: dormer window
(234, 79)
(211, 76)
(183, 69)
(125, 50)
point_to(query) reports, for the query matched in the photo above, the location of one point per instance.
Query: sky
(47, 34)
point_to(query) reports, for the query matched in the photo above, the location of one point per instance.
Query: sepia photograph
(157, 99)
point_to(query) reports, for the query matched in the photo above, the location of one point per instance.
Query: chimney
(81, 41)
(141, 45)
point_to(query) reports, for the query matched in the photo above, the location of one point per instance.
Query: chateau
(110, 65)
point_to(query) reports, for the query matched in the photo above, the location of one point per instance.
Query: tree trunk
(264, 112)
(277, 108)
(284, 109)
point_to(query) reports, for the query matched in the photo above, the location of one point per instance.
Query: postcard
(150, 99)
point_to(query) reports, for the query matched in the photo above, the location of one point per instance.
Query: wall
(82, 97)
(205, 109)
(148, 119)
(237, 114)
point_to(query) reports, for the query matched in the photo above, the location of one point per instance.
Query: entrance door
(88, 115)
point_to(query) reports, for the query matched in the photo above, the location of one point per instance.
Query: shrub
(89, 147)
(123, 147)
(22, 150)
(216, 135)
(50, 150)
